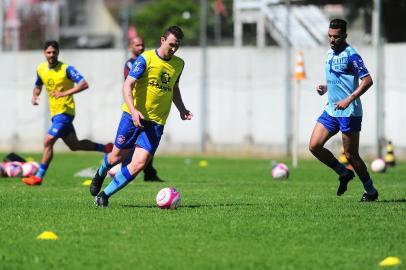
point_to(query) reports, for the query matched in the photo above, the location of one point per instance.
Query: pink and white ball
(13, 169)
(30, 168)
(378, 165)
(168, 198)
(280, 171)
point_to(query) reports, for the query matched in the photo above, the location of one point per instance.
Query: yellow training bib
(56, 79)
(153, 91)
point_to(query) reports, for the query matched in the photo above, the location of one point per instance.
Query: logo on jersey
(358, 65)
(160, 86)
(73, 75)
(165, 78)
(51, 83)
(333, 82)
(136, 67)
(339, 64)
(121, 139)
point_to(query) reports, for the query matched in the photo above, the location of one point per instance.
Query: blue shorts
(128, 135)
(343, 124)
(61, 125)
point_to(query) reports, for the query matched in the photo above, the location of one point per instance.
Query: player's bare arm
(82, 85)
(177, 100)
(35, 95)
(366, 83)
(321, 89)
(129, 99)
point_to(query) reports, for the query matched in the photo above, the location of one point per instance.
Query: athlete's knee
(113, 158)
(314, 148)
(118, 155)
(48, 142)
(137, 165)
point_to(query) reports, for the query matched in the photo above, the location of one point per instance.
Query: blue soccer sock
(368, 184)
(105, 166)
(339, 168)
(120, 180)
(99, 147)
(42, 170)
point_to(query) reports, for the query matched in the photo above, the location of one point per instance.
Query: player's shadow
(137, 206)
(193, 205)
(393, 201)
(217, 205)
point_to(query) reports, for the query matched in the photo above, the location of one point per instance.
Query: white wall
(246, 99)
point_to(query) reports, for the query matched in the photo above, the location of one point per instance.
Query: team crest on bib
(165, 78)
(51, 83)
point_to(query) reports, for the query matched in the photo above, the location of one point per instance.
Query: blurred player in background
(149, 90)
(61, 82)
(344, 69)
(136, 48)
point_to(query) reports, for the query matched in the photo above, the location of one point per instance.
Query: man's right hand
(35, 100)
(321, 89)
(137, 116)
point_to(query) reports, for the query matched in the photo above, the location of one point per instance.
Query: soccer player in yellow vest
(61, 82)
(149, 90)
(137, 47)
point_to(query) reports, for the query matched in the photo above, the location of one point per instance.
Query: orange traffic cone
(299, 67)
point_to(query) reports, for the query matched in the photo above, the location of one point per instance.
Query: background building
(250, 67)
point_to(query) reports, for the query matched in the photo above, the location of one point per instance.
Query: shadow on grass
(217, 205)
(137, 206)
(393, 201)
(193, 205)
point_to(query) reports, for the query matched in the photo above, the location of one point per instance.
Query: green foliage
(232, 216)
(152, 20)
(155, 18)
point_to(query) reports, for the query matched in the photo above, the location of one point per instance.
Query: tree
(154, 18)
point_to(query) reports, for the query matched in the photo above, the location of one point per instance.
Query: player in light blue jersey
(344, 69)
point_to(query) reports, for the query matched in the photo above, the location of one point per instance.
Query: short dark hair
(53, 43)
(174, 30)
(339, 24)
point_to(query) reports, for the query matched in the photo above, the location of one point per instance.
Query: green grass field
(232, 216)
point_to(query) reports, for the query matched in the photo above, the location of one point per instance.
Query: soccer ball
(13, 169)
(280, 171)
(378, 165)
(112, 172)
(30, 168)
(168, 198)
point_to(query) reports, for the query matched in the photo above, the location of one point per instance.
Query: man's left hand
(186, 115)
